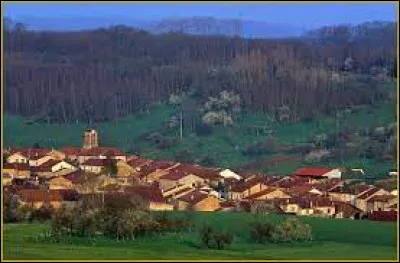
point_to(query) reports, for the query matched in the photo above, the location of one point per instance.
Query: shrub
(169, 224)
(210, 238)
(206, 235)
(45, 212)
(63, 222)
(292, 229)
(261, 232)
(222, 239)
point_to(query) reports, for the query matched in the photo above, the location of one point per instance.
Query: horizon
(273, 13)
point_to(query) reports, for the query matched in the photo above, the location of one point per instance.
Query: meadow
(333, 239)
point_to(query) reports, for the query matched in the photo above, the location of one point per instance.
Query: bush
(119, 217)
(261, 232)
(223, 239)
(210, 238)
(45, 212)
(206, 235)
(169, 224)
(292, 229)
(63, 222)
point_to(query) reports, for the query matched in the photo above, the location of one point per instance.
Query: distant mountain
(191, 25)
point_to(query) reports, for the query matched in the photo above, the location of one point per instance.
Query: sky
(305, 15)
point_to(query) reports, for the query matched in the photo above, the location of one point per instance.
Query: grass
(334, 239)
(225, 144)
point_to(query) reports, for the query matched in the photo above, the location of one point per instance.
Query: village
(38, 176)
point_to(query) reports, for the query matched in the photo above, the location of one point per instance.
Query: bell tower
(90, 139)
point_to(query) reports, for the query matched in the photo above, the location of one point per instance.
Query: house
(318, 173)
(39, 160)
(50, 167)
(126, 174)
(71, 153)
(176, 191)
(309, 205)
(381, 202)
(100, 153)
(228, 206)
(245, 188)
(304, 189)
(346, 210)
(138, 162)
(211, 176)
(6, 178)
(37, 197)
(268, 193)
(17, 170)
(198, 201)
(178, 177)
(17, 157)
(60, 182)
(348, 193)
(152, 194)
(154, 170)
(95, 165)
(296, 206)
(361, 200)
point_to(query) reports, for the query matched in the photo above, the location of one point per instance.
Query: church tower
(90, 139)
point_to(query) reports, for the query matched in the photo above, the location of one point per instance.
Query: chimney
(192, 197)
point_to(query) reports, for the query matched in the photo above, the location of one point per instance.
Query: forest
(99, 75)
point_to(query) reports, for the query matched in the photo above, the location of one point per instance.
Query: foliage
(291, 230)
(45, 212)
(261, 232)
(211, 238)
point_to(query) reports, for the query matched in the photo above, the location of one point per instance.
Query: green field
(334, 239)
(225, 144)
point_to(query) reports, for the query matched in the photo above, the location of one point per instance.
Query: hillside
(99, 75)
(279, 148)
(327, 99)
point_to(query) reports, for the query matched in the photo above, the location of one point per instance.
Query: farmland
(333, 239)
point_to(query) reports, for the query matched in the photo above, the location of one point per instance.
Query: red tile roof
(136, 162)
(200, 171)
(193, 197)
(311, 201)
(97, 151)
(97, 162)
(263, 192)
(291, 182)
(39, 195)
(311, 171)
(244, 185)
(347, 209)
(45, 167)
(16, 166)
(173, 175)
(71, 151)
(31, 152)
(181, 191)
(368, 193)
